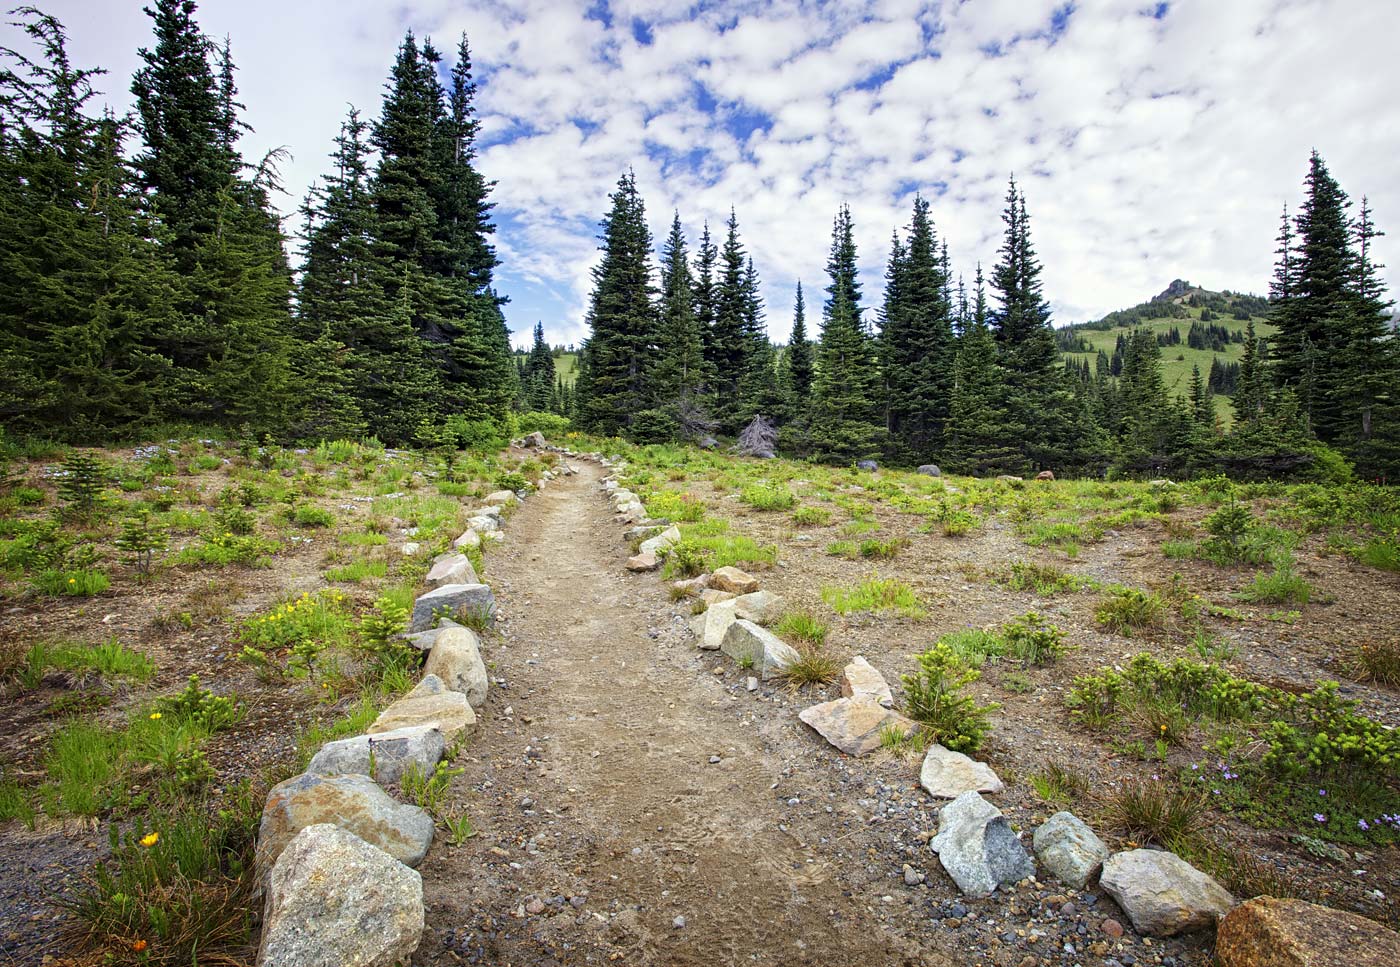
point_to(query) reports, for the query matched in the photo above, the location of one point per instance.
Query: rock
(1112, 929)
(423, 640)
(505, 498)
(693, 585)
(867, 465)
(757, 648)
(712, 596)
(534, 441)
(645, 561)
(734, 580)
(1008, 478)
(411, 548)
(430, 703)
(1268, 932)
(978, 847)
(1162, 894)
(1045, 475)
(456, 659)
(854, 725)
(483, 524)
(859, 679)
(711, 624)
(334, 900)
(930, 470)
(1161, 482)
(912, 877)
(468, 539)
(661, 541)
(473, 599)
(760, 607)
(1069, 849)
(751, 684)
(355, 803)
(452, 569)
(493, 511)
(707, 443)
(394, 752)
(946, 774)
(642, 531)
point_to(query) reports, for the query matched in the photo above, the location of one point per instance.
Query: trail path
(593, 792)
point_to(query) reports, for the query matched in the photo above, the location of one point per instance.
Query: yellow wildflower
(150, 839)
(155, 716)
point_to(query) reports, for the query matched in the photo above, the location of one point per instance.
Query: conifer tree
(730, 344)
(974, 435)
(798, 359)
(538, 378)
(612, 382)
(679, 378)
(845, 409)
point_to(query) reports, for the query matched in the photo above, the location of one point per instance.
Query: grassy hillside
(1163, 314)
(566, 367)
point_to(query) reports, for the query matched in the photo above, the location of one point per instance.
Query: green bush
(934, 698)
(308, 515)
(1125, 610)
(1032, 640)
(550, 424)
(768, 497)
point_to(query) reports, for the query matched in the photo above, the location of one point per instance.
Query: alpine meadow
(667, 484)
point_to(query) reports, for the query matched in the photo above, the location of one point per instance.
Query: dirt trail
(593, 792)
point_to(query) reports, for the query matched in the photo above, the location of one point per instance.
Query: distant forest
(149, 285)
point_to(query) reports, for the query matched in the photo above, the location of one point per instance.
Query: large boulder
(854, 725)
(456, 659)
(757, 648)
(711, 624)
(760, 607)
(978, 847)
(733, 580)
(430, 703)
(334, 900)
(535, 441)
(946, 774)
(713, 596)
(484, 524)
(458, 599)
(860, 679)
(392, 752)
(1267, 932)
(868, 465)
(1069, 849)
(1162, 894)
(424, 640)
(452, 569)
(662, 541)
(930, 470)
(355, 803)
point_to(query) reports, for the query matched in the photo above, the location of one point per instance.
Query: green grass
(768, 497)
(82, 763)
(357, 571)
(1125, 610)
(78, 584)
(811, 517)
(1282, 585)
(875, 595)
(109, 659)
(801, 626)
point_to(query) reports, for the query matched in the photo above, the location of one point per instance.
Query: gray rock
(860, 679)
(1069, 849)
(760, 649)
(411, 549)
(394, 752)
(492, 510)
(452, 569)
(535, 441)
(504, 497)
(423, 640)
(661, 541)
(854, 725)
(711, 624)
(643, 562)
(468, 539)
(483, 524)
(642, 531)
(978, 848)
(707, 443)
(1162, 894)
(430, 703)
(867, 465)
(334, 900)
(474, 599)
(355, 803)
(912, 877)
(930, 470)
(946, 774)
(456, 659)
(760, 607)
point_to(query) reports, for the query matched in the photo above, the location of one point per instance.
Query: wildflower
(155, 716)
(1319, 817)
(1363, 824)
(138, 945)
(72, 580)
(150, 839)
(1322, 792)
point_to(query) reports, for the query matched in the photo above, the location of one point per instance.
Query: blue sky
(1153, 140)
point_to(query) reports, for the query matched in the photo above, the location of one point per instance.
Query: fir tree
(798, 359)
(538, 376)
(612, 382)
(730, 343)
(679, 377)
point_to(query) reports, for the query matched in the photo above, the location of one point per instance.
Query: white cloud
(1149, 149)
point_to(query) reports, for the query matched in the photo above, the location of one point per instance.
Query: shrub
(1159, 811)
(811, 517)
(768, 497)
(686, 558)
(934, 698)
(310, 516)
(1125, 610)
(142, 537)
(299, 629)
(1282, 586)
(81, 485)
(1032, 640)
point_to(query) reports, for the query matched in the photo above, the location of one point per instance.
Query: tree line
(974, 380)
(147, 277)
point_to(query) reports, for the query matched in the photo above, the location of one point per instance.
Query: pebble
(1112, 929)
(535, 906)
(678, 923)
(912, 877)
(714, 760)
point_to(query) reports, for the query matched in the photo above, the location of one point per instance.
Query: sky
(1153, 140)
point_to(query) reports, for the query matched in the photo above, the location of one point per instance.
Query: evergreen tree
(679, 378)
(1252, 387)
(845, 408)
(730, 344)
(917, 340)
(612, 382)
(798, 359)
(759, 391)
(974, 435)
(538, 377)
